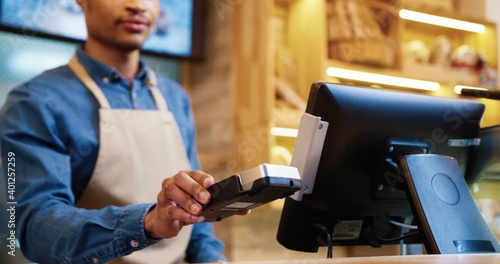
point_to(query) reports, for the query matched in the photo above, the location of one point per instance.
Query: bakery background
(259, 62)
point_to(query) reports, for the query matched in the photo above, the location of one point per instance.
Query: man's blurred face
(123, 24)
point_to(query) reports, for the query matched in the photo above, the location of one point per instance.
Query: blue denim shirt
(50, 124)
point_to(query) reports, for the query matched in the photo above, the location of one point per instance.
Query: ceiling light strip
(382, 79)
(441, 21)
(284, 132)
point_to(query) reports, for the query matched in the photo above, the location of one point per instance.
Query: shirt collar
(100, 71)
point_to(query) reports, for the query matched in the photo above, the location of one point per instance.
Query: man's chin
(130, 46)
(130, 43)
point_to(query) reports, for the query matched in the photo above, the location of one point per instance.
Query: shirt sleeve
(49, 227)
(204, 247)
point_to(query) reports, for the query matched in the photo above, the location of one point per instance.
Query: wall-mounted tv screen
(177, 33)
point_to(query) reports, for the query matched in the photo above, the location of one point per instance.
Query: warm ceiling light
(382, 79)
(284, 132)
(441, 21)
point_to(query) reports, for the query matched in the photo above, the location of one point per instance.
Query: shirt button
(115, 77)
(95, 260)
(105, 79)
(134, 243)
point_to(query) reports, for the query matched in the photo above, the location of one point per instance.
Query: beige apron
(138, 149)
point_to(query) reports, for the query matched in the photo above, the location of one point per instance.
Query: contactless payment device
(249, 189)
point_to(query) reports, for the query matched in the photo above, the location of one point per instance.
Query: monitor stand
(449, 219)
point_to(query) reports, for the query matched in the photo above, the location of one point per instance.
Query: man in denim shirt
(96, 143)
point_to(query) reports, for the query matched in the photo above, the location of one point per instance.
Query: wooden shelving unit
(306, 33)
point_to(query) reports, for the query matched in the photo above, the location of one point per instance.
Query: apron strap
(84, 76)
(152, 82)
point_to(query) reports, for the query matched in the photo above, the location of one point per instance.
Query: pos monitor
(349, 152)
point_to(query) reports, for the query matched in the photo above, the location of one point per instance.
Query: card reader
(249, 189)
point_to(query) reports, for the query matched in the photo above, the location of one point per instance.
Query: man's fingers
(204, 179)
(194, 183)
(172, 192)
(178, 214)
(246, 212)
(179, 203)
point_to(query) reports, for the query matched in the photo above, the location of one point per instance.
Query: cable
(322, 229)
(413, 227)
(329, 254)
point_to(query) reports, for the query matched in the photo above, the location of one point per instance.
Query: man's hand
(179, 203)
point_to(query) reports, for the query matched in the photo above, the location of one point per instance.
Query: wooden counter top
(413, 259)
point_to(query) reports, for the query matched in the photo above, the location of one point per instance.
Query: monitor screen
(177, 33)
(358, 196)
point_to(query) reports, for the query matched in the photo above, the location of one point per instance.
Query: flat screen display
(359, 195)
(177, 32)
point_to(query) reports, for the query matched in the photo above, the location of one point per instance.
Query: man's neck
(124, 61)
